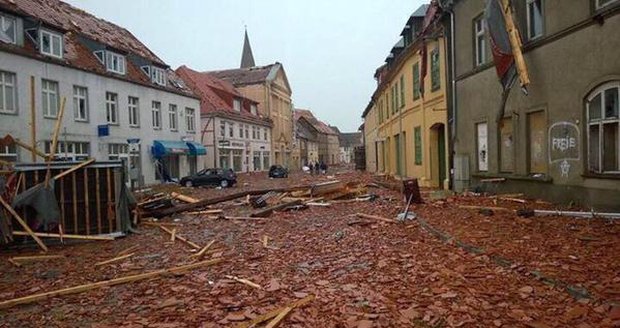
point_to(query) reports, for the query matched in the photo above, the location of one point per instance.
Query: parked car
(278, 171)
(213, 177)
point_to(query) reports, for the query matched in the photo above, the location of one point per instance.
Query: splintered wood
(274, 313)
(116, 259)
(245, 282)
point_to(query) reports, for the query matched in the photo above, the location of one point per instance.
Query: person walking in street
(316, 168)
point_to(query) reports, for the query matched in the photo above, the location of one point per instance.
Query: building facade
(269, 87)
(348, 142)
(326, 138)
(561, 141)
(407, 135)
(234, 134)
(121, 102)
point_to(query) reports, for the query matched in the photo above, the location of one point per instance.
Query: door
(441, 149)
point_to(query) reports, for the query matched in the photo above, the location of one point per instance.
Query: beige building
(326, 138)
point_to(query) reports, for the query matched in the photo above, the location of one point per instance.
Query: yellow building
(407, 133)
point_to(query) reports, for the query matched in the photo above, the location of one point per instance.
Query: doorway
(438, 154)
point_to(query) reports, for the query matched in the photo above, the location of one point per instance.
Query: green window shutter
(416, 81)
(417, 136)
(435, 82)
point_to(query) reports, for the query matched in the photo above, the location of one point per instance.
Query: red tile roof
(316, 123)
(75, 24)
(217, 95)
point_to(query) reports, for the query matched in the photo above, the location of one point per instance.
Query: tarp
(169, 147)
(43, 200)
(500, 44)
(196, 149)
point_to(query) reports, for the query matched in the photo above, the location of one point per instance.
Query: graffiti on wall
(564, 145)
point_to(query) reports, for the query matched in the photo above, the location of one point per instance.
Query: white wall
(19, 125)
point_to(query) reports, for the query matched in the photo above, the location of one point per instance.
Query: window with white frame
(69, 150)
(237, 105)
(117, 150)
(8, 153)
(80, 103)
(111, 107)
(158, 76)
(534, 19)
(231, 130)
(604, 3)
(254, 132)
(115, 63)
(253, 109)
(51, 43)
(265, 136)
(156, 114)
(8, 29)
(190, 119)
(134, 111)
(8, 93)
(49, 98)
(222, 129)
(604, 129)
(247, 132)
(480, 41)
(241, 131)
(173, 117)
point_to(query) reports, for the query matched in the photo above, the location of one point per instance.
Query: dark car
(213, 177)
(278, 171)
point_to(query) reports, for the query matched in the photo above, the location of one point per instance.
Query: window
(156, 114)
(253, 109)
(8, 29)
(392, 94)
(80, 103)
(134, 112)
(253, 132)
(222, 129)
(416, 81)
(247, 132)
(534, 18)
(266, 160)
(603, 129)
(231, 130)
(158, 76)
(435, 74)
(506, 147)
(265, 136)
(417, 142)
(8, 153)
(111, 107)
(482, 148)
(8, 93)
(481, 42)
(604, 3)
(240, 130)
(115, 63)
(396, 102)
(51, 43)
(402, 91)
(115, 151)
(69, 150)
(173, 117)
(398, 152)
(190, 119)
(49, 101)
(237, 104)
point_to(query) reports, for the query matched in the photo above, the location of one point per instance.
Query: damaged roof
(316, 123)
(245, 76)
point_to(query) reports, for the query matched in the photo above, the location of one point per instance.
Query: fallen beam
(183, 239)
(245, 282)
(24, 225)
(206, 202)
(274, 313)
(205, 212)
(374, 217)
(183, 198)
(276, 321)
(326, 188)
(55, 235)
(106, 283)
(73, 169)
(116, 259)
(36, 257)
(586, 215)
(267, 211)
(204, 249)
(494, 208)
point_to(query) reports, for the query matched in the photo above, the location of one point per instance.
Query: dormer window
(253, 109)
(115, 63)
(158, 76)
(8, 29)
(50, 43)
(237, 105)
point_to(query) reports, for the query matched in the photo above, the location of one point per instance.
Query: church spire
(247, 59)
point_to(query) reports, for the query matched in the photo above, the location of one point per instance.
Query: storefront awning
(196, 149)
(169, 147)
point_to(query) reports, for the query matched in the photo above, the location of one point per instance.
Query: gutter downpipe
(453, 95)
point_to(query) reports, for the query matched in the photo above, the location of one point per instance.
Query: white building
(122, 101)
(232, 130)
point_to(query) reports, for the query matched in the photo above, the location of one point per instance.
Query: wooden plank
(86, 201)
(244, 281)
(106, 283)
(36, 257)
(62, 203)
(204, 249)
(276, 321)
(494, 208)
(33, 121)
(274, 313)
(98, 200)
(183, 198)
(206, 212)
(183, 239)
(73, 169)
(326, 188)
(23, 224)
(267, 211)
(29, 148)
(374, 217)
(128, 250)
(59, 117)
(74, 200)
(109, 203)
(116, 259)
(55, 235)
(515, 43)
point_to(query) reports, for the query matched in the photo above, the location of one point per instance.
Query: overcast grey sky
(329, 48)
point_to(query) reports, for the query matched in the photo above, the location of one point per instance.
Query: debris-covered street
(324, 266)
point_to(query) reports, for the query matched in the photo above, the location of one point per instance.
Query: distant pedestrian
(316, 168)
(323, 167)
